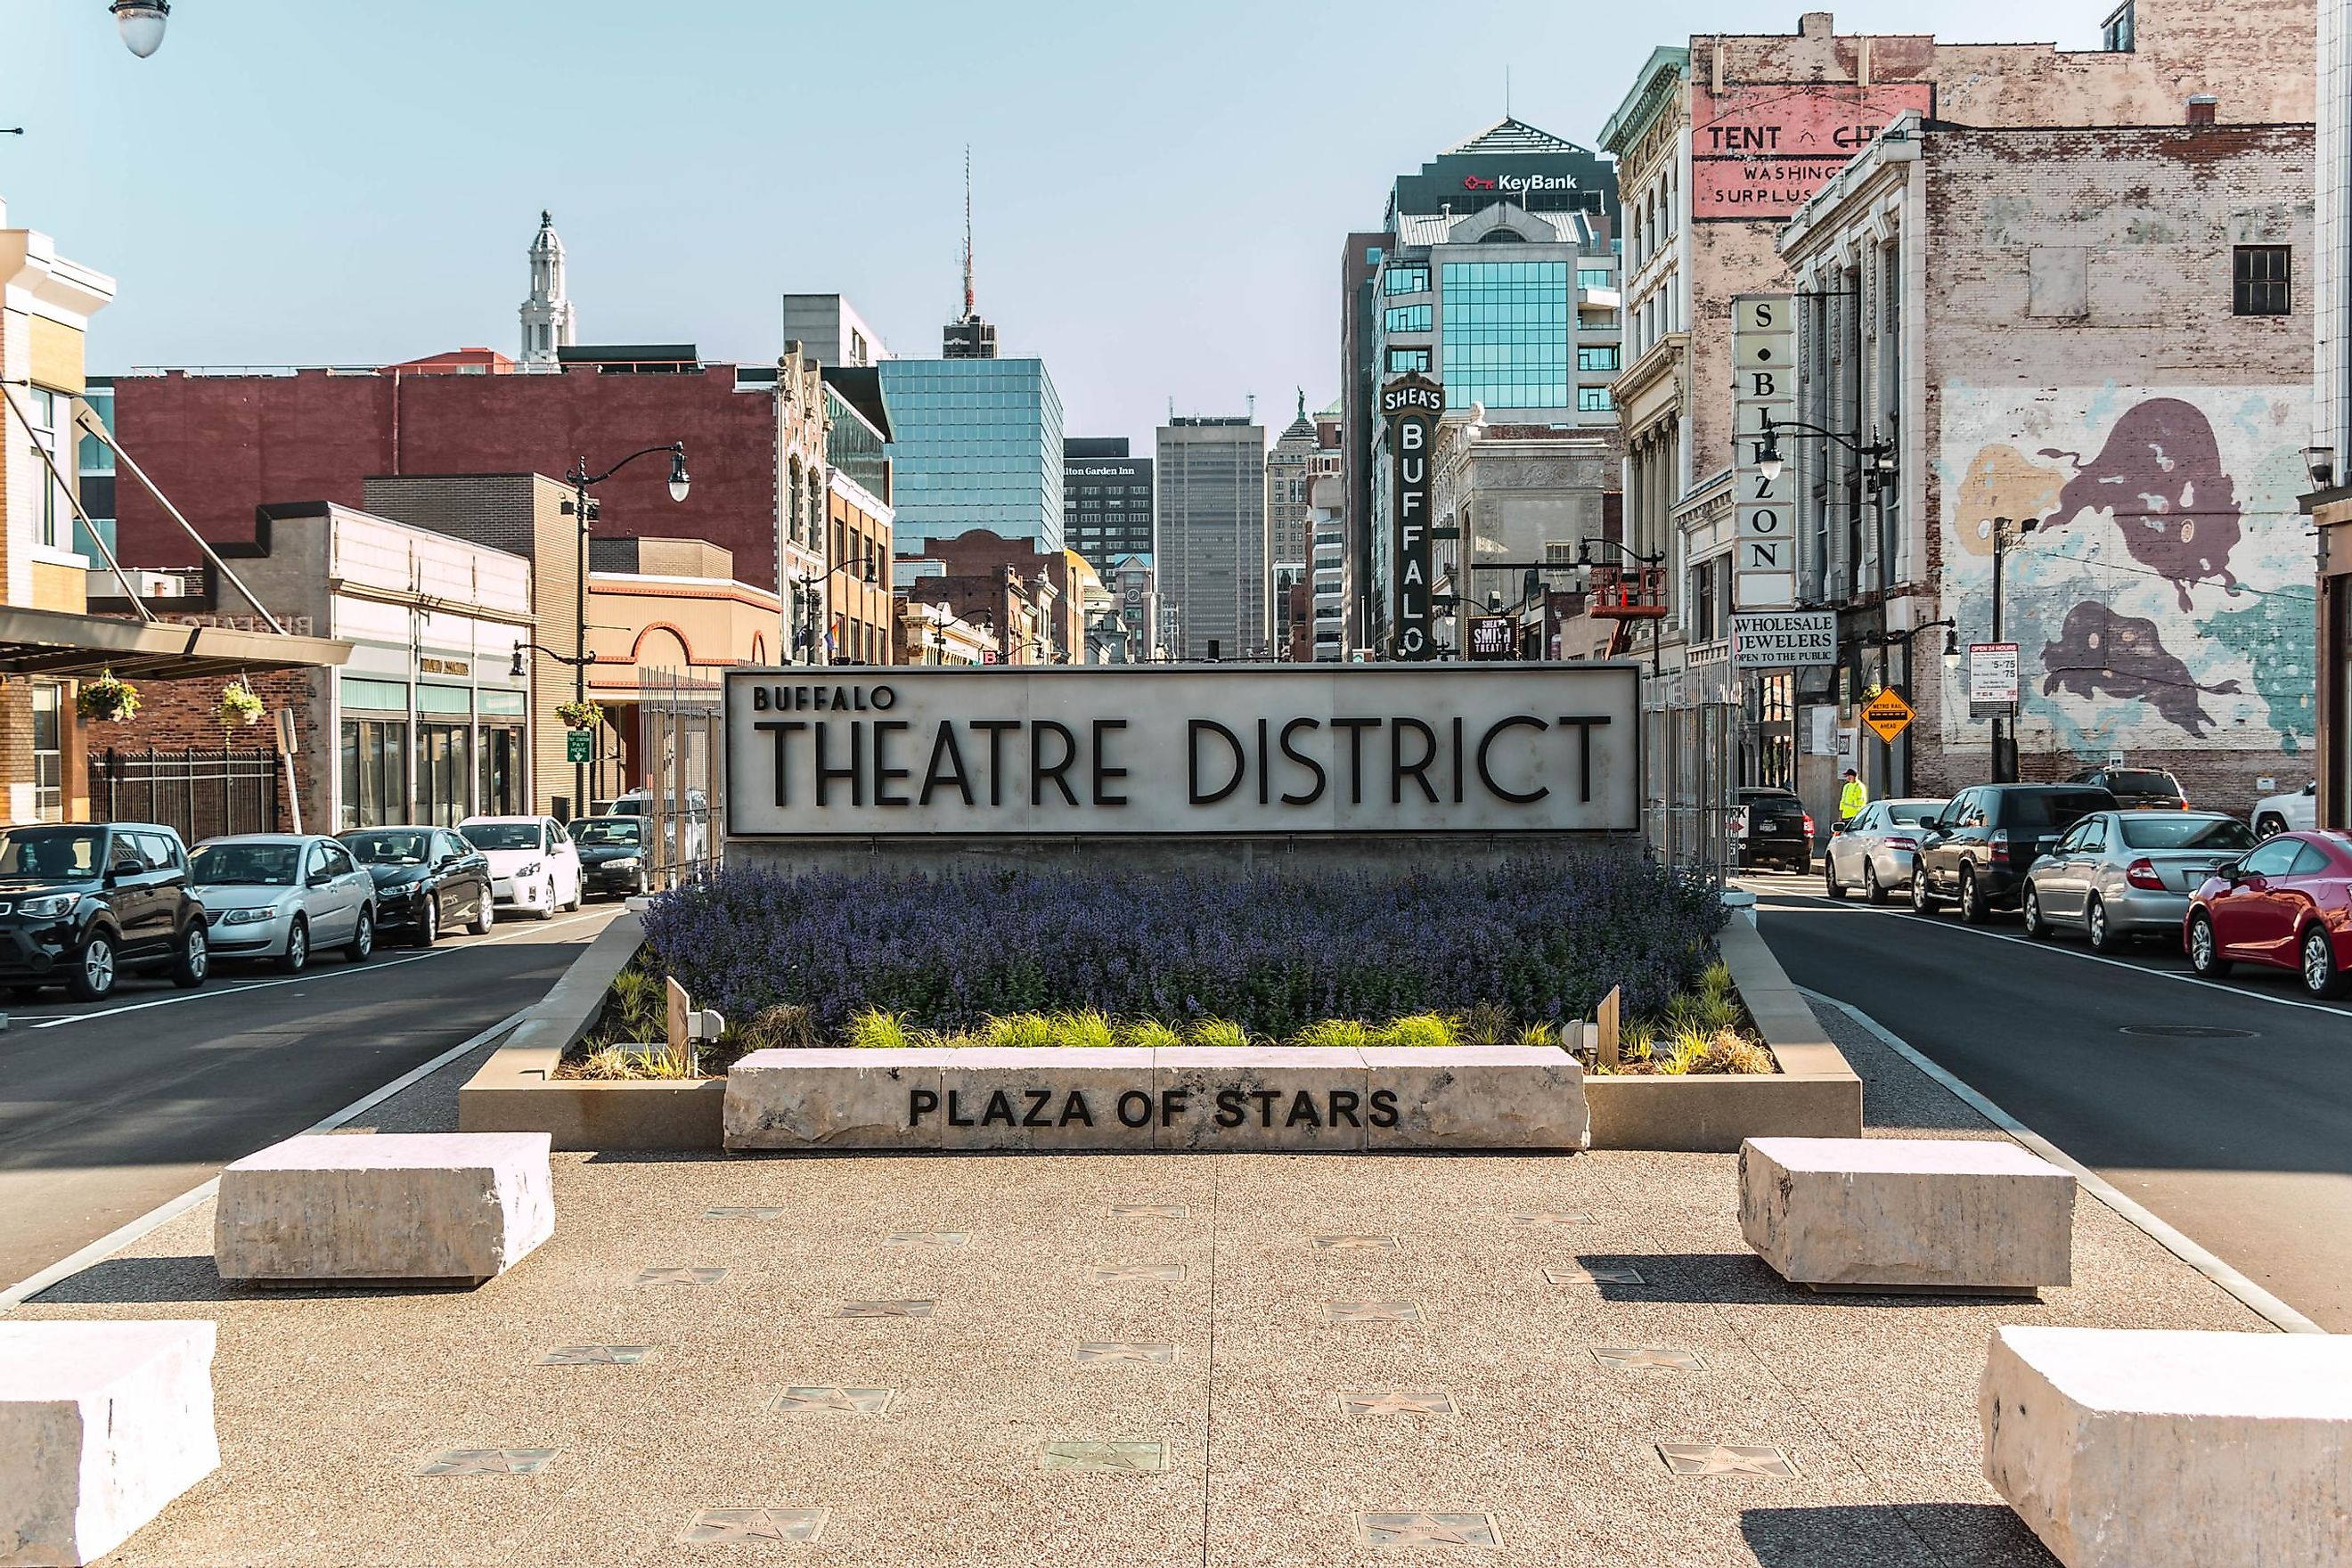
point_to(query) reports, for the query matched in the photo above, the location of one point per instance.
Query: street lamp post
(1886, 639)
(2005, 535)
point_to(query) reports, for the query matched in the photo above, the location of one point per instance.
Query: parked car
(611, 854)
(639, 802)
(1772, 827)
(2286, 904)
(1875, 850)
(79, 904)
(282, 896)
(2137, 789)
(2296, 811)
(426, 879)
(2119, 874)
(534, 865)
(1979, 850)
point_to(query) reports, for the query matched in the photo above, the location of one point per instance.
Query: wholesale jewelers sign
(1133, 750)
(1411, 405)
(1783, 639)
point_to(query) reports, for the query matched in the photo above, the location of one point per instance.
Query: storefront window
(443, 766)
(375, 773)
(502, 770)
(48, 752)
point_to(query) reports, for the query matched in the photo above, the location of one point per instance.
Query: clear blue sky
(1162, 190)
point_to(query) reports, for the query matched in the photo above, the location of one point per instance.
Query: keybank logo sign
(1518, 183)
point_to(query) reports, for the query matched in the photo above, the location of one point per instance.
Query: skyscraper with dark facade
(1106, 501)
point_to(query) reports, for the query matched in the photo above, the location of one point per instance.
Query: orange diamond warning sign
(1888, 714)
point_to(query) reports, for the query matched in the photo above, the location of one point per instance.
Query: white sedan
(534, 865)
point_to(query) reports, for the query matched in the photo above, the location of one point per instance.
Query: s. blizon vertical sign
(1411, 405)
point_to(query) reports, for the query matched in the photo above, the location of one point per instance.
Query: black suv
(1979, 850)
(2137, 789)
(81, 902)
(1771, 826)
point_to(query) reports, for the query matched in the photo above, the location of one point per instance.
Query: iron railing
(202, 793)
(1689, 787)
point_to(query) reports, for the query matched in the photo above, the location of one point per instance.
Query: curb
(2268, 1306)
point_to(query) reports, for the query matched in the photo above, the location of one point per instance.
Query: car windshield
(391, 847)
(609, 830)
(2052, 808)
(501, 835)
(245, 864)
(2142, 784)
(2187, 833)
(36, 854)
(1914, 813)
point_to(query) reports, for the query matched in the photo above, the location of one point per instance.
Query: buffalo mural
(2159, 479)
(2101, 652)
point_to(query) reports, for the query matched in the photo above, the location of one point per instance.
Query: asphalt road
(110, 1109)
(2243, 1141)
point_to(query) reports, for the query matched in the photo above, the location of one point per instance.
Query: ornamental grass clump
(1421, 1031)
(875, 1030)
(1148, 1034)
(1218, 1033)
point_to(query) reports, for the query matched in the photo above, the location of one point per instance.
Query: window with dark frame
(2261, 281)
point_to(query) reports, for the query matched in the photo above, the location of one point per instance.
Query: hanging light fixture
(141, 23)
(678, 479)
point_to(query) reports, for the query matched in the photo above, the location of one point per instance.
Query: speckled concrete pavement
(331, 1403)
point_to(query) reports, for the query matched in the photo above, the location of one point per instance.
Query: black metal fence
(203, 794)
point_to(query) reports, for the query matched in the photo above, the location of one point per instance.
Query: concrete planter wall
(1814, 1095)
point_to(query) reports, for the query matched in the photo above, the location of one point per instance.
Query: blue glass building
(977, 444)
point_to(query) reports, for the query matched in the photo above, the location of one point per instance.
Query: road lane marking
(2225, 988)
(205, 994)
(2277, 1312)
(115, 1240)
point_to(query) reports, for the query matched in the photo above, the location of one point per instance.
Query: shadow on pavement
(1895, 1535)
(1742, 1278)
(194, 1279)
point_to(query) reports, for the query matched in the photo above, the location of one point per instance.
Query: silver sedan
(2120, 874)
(1875, 850)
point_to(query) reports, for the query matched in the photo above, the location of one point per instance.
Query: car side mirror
(320, 878)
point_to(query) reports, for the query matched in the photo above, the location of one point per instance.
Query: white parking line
(2052, 947)
(2277, 1312)
(309, 977)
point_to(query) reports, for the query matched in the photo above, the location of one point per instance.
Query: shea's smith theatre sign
(1264, 749)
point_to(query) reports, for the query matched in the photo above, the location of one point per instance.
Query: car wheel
(428, 922)
(2102, 935)
(1828, 878)
(2204, 950)
(363, 943)
(2035, 926)
(297, 955)
(91, 979)
(195, 959)
(2320, 975)
(579, 896)
(546, 909)
(2269, 826)
(1974, 911)
(486, 915)
(1873, 890)
(1922, 903)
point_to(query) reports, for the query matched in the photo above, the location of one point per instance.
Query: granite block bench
(1957, 1216)
(2172, 1448)
(101, 1423)
(398, 1208)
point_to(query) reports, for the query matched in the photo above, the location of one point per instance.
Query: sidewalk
(1490, 1419)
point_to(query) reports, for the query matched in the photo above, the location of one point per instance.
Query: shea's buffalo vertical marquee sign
(1411, 405)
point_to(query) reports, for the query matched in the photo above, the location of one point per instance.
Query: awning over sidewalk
(59, 643)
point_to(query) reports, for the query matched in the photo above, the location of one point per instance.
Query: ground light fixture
(141, 23)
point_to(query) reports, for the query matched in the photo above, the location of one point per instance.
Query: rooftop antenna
(1253, 407)
(968, 308)
(1506, 92)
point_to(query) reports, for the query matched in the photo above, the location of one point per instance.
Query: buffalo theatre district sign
(1218, 750)
(1411, 405)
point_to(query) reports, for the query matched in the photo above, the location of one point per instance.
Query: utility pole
(2005, 534)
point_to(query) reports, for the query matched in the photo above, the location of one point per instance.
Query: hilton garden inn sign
(1358, 749)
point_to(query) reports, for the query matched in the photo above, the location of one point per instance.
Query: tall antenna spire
(968, 307)
(1506, 92)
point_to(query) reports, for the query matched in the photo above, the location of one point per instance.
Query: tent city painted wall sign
(1411, 405)
(1237, 749)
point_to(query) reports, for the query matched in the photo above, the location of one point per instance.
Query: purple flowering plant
(1542, 939)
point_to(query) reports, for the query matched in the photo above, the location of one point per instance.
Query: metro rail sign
(1889, 715)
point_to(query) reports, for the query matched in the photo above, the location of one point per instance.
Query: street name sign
(1783, 639)
(1023, 751)
(1889, 715)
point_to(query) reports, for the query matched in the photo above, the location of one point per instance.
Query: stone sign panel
(1368, 750)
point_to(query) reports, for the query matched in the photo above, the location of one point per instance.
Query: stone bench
(1950, 1215)
(101, 1423)
(404, 1208)
(2171, 1448)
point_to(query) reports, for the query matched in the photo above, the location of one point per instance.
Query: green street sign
(576, 747)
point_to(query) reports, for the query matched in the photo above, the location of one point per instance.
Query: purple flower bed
(1544, 941)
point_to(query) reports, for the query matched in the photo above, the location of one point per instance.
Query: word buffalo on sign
(1344, 749)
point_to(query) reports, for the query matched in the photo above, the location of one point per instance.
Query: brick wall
(176, 714)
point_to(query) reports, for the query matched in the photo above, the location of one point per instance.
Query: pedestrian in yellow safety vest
(1853, 798)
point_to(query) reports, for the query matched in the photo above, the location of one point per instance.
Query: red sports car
(2287, 903)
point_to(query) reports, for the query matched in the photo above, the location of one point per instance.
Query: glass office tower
(977, 443)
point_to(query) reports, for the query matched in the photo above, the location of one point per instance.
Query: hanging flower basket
(106, 699)
(238, 705)
(580, 715)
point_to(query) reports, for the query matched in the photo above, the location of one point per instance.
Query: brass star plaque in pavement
(1372, 1312)
(1128, 1273)
(487, 1462)
(845, 1401)
(1150, 1211)
(1646, 1360)
(1427, 1530)
(681, 1276)
(1397, 1403)
(725, 1212)
(1722, 1459)
(886, 1310)
(924, 1240)
(1580, 1276)
(714, 1526)
(595, 1355)
(1355, 1243)
(1136, 1457)
(1096, 1351)
(1549, 1216)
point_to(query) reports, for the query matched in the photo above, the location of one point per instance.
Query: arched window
(1502, 236)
